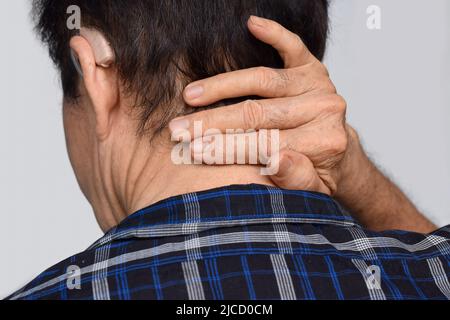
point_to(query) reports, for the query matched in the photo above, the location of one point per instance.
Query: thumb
(297, 172)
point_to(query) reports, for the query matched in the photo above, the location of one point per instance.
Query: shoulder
(61, 281)
(95, 274)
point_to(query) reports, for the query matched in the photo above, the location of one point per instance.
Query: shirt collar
(230, 206)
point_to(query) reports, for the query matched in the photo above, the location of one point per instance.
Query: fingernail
(257, 21)
(179, 124)
(194, 92)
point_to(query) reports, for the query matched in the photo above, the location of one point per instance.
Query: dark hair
(159, 43)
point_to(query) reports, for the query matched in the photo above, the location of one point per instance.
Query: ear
(100, 79)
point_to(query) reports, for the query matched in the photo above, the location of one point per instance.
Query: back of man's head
(160, 46)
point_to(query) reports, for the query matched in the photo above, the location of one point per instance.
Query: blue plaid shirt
(250, 242)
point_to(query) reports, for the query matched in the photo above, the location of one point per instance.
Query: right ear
(81, 51)
(103, 53)
(99, 78)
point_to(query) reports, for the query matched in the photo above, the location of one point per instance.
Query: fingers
(302, 71)
(276, 150)
(287, 168)
(289, 45)
(323, 146)
(262, 82)
(251, 148)
(297, 172)
(258, 114)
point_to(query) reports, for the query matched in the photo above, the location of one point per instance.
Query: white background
(396, 82)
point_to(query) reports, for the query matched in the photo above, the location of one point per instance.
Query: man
(224, 232)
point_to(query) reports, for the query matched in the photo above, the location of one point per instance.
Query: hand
(304, 104)
(320, 152)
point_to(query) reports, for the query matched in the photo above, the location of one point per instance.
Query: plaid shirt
(250, 242)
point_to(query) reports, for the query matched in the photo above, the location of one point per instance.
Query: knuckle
(319, 68)
(308, 182)
(263, 76)
(253, 114)
(327, 85)
(323, 85)
(333, 103)
(341, 104)
(272, 81)
(340, 142)
(334, 144)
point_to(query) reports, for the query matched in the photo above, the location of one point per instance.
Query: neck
(148, 175)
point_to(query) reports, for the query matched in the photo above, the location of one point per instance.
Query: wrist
(373, 199)
(355, 171)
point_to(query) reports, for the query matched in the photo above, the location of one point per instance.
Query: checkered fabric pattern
(250, 242)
